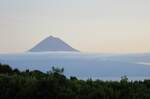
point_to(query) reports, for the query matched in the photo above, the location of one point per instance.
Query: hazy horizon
(100, 26)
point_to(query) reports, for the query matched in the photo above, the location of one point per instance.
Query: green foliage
(124, 79)
(5, 69)
(56, 71)
(15, 84)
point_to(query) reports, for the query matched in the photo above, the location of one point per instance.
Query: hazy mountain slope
(52, 44)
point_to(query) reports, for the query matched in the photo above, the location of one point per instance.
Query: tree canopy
(15, 84)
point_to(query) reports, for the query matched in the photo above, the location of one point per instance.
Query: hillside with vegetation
(16, 84)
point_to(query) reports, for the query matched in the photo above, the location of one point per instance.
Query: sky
(103, 26)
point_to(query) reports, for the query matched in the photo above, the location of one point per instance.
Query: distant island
(52, 44)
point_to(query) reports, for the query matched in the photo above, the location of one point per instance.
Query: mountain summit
(52, 44)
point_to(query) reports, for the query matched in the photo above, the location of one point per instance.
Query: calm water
(84, 65)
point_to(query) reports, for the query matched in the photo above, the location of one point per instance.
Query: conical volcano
(52, 44)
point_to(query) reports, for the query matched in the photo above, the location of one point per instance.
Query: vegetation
(15, 84)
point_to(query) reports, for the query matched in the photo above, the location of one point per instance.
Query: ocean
(84, 65)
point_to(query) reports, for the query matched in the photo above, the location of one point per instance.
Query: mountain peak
(51, 36)
(52, 43)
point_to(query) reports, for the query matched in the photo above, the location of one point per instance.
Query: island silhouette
(52, 43)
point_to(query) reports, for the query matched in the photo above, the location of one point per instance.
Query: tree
(56, 70)
(5, 69)
(124, 78)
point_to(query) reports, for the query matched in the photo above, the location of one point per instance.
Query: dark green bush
(15, 84)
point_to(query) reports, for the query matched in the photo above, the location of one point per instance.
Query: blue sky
(88, 25)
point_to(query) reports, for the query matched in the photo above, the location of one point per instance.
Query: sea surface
(84, 65)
